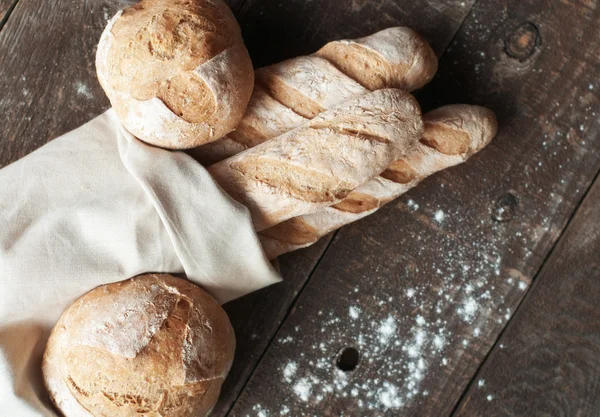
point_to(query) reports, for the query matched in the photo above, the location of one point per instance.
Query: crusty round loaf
(176, 71)
(153, 345)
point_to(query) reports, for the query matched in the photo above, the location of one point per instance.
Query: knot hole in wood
(523, 41)
(347, 359)
(505, 208)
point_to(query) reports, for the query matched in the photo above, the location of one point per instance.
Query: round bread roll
(176, 71)
(154, 345)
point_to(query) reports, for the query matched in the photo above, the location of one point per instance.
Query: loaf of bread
(323, 160)
(176, 71)
(289, 93)
(452, 134)
(154, 345)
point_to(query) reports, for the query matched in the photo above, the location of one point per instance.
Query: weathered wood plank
(48, 77)
(423, 288)
(306, 27)
(547, 362)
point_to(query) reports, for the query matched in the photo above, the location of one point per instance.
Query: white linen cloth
(97, 206)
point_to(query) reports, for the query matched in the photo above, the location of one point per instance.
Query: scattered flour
(389, 396)
(412, 331)
(412, 205)
(439, 216)
(303, 388)
(289, 371)
(387, 329)
(83, 90)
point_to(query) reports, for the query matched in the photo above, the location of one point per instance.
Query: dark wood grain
(257, 317)
(48, 77)
(423, 292)
(547, 362)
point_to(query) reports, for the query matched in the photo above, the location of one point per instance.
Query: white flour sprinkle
(412, 205)
(468, 309)
(303, 389)
(481, 383)
(289, 371)
(387, 329)
(354, 312)
(389, 396)
(439, 216)
(413, 334)
(490, 397)
(83, 90)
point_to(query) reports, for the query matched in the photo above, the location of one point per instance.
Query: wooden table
(490, 308)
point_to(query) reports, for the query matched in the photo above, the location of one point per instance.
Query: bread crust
(154, 345)
(320, 162)
(452, 134)
(177, 72)
(291, 92)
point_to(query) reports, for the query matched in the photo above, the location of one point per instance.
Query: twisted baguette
(452, 134)
(288, 93)
(319, 163)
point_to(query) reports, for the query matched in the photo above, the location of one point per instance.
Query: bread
(452, 134)
(396, 57)
(176, 71)
(288, 93)
(323, 160)
(153, 345)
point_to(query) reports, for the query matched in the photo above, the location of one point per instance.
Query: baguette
(452, 134)
(319, 163)
(289, 93)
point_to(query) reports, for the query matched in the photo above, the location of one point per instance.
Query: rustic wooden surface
(260, 24)
(421, 299)
(547, 362)
(423, 288)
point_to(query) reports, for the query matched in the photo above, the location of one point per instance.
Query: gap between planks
(6, 9)
(529, 293)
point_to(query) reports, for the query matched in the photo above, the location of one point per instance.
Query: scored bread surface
(303, 87)
(177, 72)
(320, 162)
(154, 345)
(452, 134)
